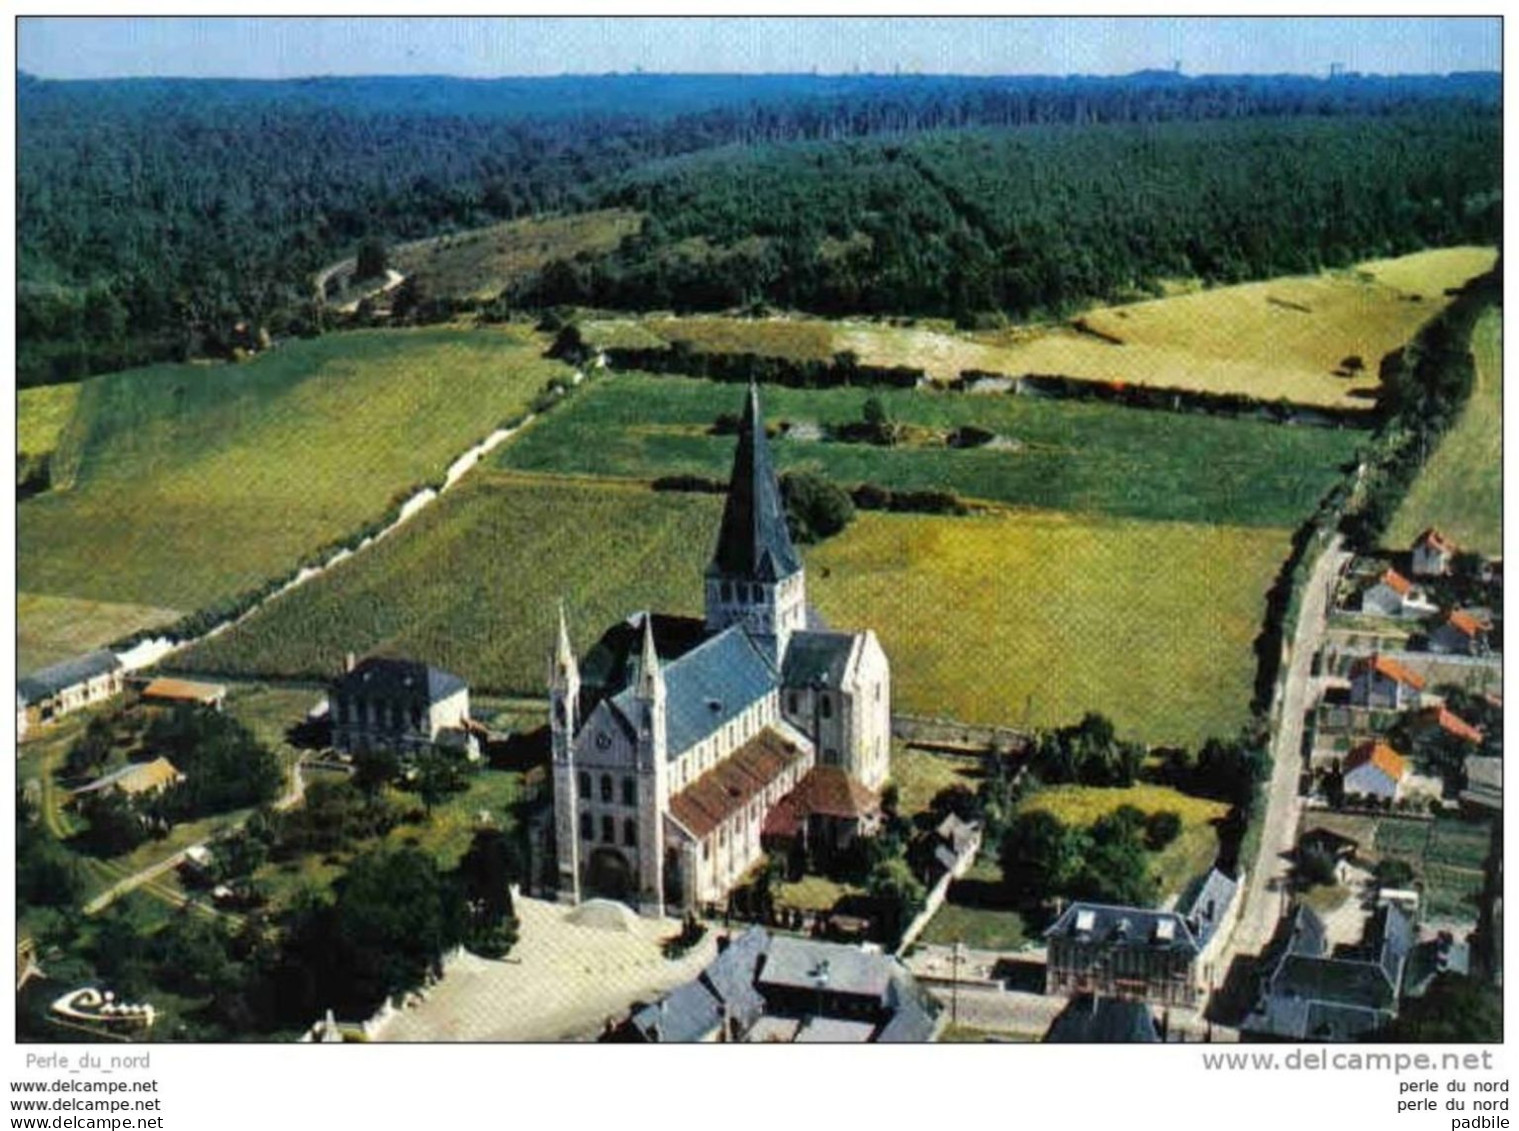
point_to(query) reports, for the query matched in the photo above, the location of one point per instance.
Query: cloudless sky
(275, 47)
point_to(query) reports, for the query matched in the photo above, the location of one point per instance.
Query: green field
(472, 583)
(1036, 618)
(1066, 456)
(186, 484)
(41, 414)
(1460, 489)
(1447, 857)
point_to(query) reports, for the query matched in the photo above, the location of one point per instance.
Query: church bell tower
(755, 577)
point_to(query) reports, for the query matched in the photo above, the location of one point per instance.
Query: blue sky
(273, 47)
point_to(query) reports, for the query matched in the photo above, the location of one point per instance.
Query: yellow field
(1283, 338)
(41, 414)
(1460, 490)
(49, 629)
(1081, 805)
(1036, 618)
(479, 264)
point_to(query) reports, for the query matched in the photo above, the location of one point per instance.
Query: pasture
(473, 582)
(1281, 338)
(1032, 619)
(1058, 455)
(50, 629)
(1460, 489)
(41, 414)
(183, 485)
(480, 263)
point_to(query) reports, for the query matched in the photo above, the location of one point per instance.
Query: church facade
(674, 739)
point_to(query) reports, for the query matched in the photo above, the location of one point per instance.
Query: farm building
(764, 989)
(1122, 952)
(1393, 595)
(1432, 554)
(166, 692)
(1381, 683)
(1374, 769)
(1311, 993)
(674, 740)
(136, 778)
(1459, 634)
(399, 705)
(55, 691)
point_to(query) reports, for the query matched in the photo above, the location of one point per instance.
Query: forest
(155, 215)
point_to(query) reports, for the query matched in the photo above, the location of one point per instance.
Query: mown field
(472, 583)
(187, 484)
(1037, 618)
(50, 629)
(479, 264)
(41, 414)
(1058, 455)
(1283, 338)
(1460, 489)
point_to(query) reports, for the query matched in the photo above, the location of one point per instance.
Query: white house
(1374, 769)
(1381, 683)
(1393, 595)
(1432, 554)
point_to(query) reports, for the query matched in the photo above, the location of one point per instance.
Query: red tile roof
(830, 792)
(1446, 720)
(735, 781)
(184, 690)
(1465, 623)
(1434, 539)
(1389, 668)
(1379, 754)
(1397, 582)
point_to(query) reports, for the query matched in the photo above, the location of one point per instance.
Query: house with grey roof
(1211, 914)
(56, 690)
(765, 988)
(1484, 783)
(1130, 953)
(382, 703)
(1089, 1019)
(674, 740)
(1311, 990)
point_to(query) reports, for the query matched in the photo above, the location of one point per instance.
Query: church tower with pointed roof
(755, 578)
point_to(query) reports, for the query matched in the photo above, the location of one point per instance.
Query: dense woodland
(154, 215)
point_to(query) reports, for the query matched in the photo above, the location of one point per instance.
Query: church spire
(651, 681)
(564, 654)
(753, 541)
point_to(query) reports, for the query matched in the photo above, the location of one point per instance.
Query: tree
(897, 894)
(1394, 873)
(115, 825)
(1040, 857)
(1454, 1010)
(488, 868)
(372, 260)
(1316, 867)
(1161, 828)
(437, 774)
(816, 508)
(374, 769)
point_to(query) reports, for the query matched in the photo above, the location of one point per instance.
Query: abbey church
(678, 743)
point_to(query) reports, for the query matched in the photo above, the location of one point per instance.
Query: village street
(1265, 892)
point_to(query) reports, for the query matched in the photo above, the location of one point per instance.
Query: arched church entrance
(608, 875)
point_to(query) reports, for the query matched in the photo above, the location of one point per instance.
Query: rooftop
(731, 784)
(1390, 668)
(817, 658)
(839, 969)
(1102, 1020)
(135, 777)
(184, 690)
(384, 677)
(1104, 925)
(1380, 755)
(51, 680)
(753, 540)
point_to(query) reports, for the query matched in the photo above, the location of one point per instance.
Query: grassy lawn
(1447, 857)
(200, 482)
(919, 775)
(1278, 338)
(50, 629)
(814, 893)
(1037, 618)
(980, 928)
(1460, 490)
(1062, 455)
(479, 264)
(473, 582)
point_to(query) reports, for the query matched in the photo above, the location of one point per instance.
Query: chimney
(348, 662)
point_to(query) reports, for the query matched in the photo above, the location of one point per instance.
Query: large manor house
(678, 743)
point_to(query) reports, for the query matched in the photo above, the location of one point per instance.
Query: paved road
(1028, 1015)
(1266, 887)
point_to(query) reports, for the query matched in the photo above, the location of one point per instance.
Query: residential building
(765, 988)
(61, 688)
(1484, 783)
(1459, 634)
(1210, 915)
(1393, 595)
(1441, 718)
(1374, 769)
(398, 705)
(1122, 952)
(1089, 1019)
(1432, 554)
(1312, 991)
(1381, 683)
(674, 740)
